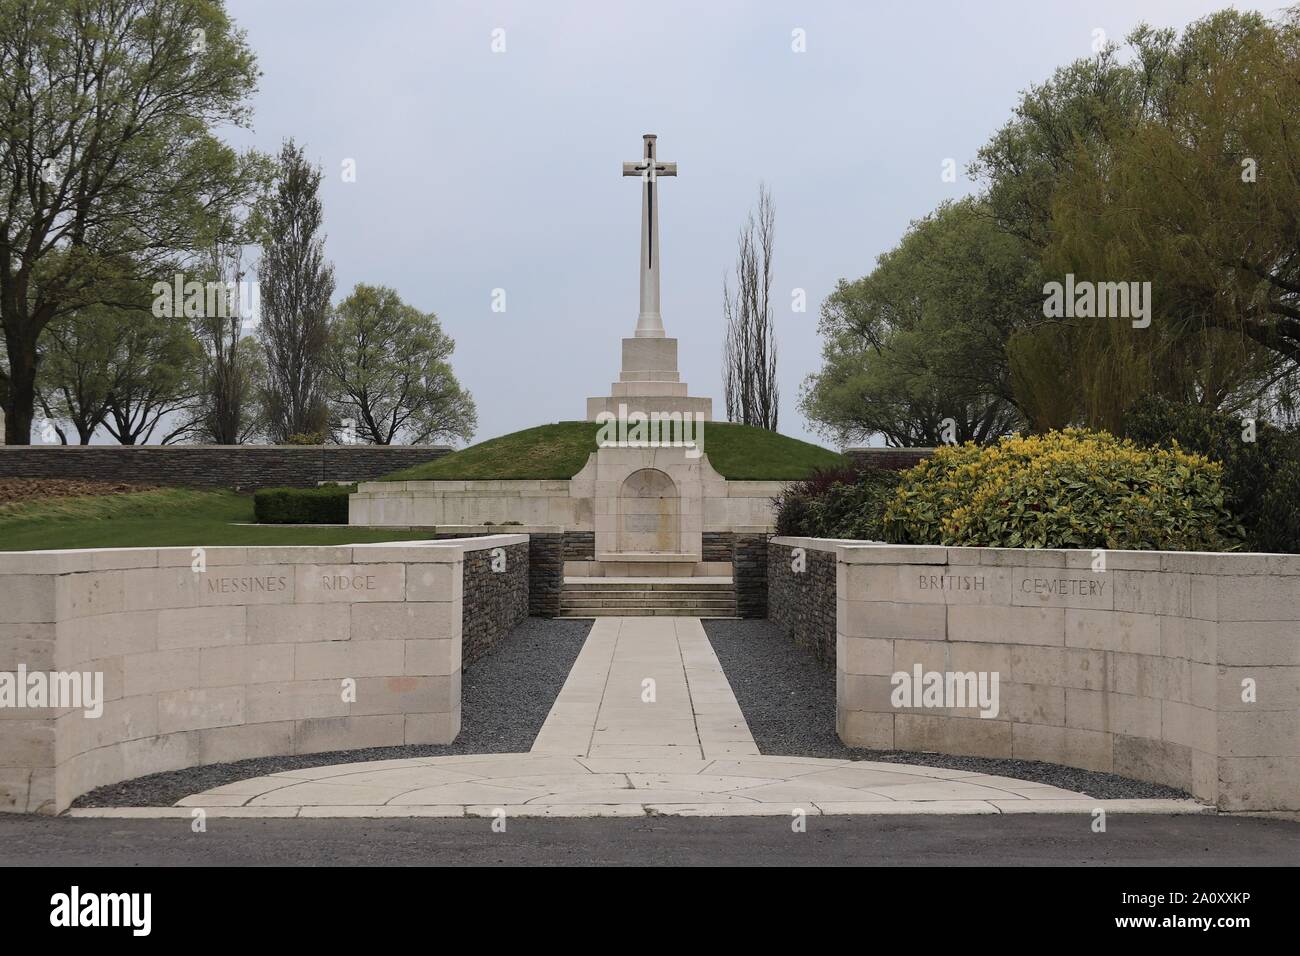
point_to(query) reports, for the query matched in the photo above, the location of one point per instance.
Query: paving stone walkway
(645, 724)
(646, 687)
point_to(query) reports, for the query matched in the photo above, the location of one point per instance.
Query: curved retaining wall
(248, 655)
(1182, 669)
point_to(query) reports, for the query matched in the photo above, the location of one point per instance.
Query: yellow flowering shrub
(1065, 489)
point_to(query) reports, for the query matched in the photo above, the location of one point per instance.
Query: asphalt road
(1028, 840)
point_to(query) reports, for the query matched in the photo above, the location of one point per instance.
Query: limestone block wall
(536, 593)
(612, 479)
(226, 654)
(742, 504)
(425, 504)
(586, 504)
(1182, 669)
(532, 587)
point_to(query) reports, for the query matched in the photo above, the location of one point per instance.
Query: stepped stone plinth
(649, 382)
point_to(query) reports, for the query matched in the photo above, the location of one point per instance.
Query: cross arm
(638, 169)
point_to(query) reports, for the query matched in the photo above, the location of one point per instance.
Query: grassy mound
(557, 451)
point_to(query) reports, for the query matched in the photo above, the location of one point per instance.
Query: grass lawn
(738, 452)
(168, 517)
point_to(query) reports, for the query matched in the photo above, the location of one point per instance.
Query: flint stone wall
(802, 603)
(495, 600)
(243, 467)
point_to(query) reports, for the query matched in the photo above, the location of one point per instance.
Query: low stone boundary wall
(718, 546)
(468, 502)
(579, 546)
(245, 467)
(1181, 669)
(497, 588)
(546, 556)
(889, 459)
(801, 593)
(572, 504)
(219, 654)
(749, 573)
(544, 578)
(745, 550)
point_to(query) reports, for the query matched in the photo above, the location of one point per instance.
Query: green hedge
(1261, 478)
(1066, 489)
(836, 503)
(327, 504)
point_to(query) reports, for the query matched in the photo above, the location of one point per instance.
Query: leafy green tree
(156, 375)
(108, 165)
(389, 371)
(75, 370)
(1178, 167)
(916, 351)
(296, 285)
(117, 367)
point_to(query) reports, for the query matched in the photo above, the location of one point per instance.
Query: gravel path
(506, 696)
(788, 699)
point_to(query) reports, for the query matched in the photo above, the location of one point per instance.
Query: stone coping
(1189, 562)
(485, 529)
(444, 485)
(831, 545)
(77, 560)
(488, 529)
(648, 557)
(462, 484)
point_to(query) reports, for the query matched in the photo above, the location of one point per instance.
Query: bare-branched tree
(749, 358)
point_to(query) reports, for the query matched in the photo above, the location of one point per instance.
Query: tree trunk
(20, 409)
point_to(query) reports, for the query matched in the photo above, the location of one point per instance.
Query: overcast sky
(479, 170)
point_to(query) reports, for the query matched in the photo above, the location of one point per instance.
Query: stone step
(686, 585)
(641, 613)
(645, 600)
(660, 595)
(648, 597)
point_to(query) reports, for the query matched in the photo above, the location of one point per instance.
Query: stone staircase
(646, 597)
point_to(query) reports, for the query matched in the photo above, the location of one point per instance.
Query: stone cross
(649, 324)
